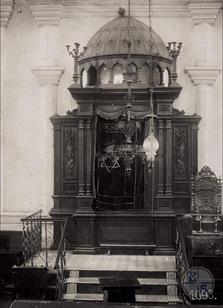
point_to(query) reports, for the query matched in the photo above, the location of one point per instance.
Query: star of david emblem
(113, 164)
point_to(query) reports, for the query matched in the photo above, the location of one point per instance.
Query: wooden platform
(121, 263)
(111, 262)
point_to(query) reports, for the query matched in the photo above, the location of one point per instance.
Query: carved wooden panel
(164, 233)
(180, 152)
(70, 152)
(70, 187)
(126, 231)
(181, 188)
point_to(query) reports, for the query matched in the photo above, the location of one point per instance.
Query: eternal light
(150, 147)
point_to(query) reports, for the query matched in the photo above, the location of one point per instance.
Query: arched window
(131, 72)
(92, 76)
(117, 74)
(83, 78)
(157, 74)
(145, 74)
(104, 74)
(166, 77)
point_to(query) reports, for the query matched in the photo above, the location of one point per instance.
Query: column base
(85, 233)
(84, 204)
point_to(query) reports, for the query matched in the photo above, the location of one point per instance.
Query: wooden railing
(40, 242)
(42, 238)
(32, 235)
(182, 263)
(60, 263)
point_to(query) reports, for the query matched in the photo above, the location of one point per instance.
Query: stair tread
(142, 281)
(157, 298)
(121, 263)
(139, 298)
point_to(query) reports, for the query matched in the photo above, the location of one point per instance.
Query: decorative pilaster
(147, 177)
(48, 75)
(48, 79)
(6, 8)
(203, 75)
(46, 13)
(81, 158)
(168, 157)
(161, 142)
(203, 78)
(88, 163)
(110, 80)
(47, 16)
(204, 11)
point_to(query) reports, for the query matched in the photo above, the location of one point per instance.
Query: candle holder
(76, 55)
(174, 51)
(217, 219)
(198, 218)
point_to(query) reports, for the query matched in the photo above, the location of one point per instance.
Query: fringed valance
(114, 112)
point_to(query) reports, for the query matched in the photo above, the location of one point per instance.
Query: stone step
(127, 274)
(85, 285)
(164, 299)
(142, 281)
(121, 263)
(91, 285)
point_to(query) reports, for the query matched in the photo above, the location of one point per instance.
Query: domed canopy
(112, 39)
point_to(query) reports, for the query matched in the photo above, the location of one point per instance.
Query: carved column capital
(6, 7)
(202, 75)
(48, 75)
(204, 11)
(46, 13)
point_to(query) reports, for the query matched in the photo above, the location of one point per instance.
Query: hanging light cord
(150, 23)
(151, 106)
(129, 105)
(129, 34)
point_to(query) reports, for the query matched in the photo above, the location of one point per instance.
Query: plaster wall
(24, 111)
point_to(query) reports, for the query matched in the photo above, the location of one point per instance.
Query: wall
(24, 131)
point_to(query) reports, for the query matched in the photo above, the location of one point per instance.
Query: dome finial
(121, 12)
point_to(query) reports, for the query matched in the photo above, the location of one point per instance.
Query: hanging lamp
(151, 144)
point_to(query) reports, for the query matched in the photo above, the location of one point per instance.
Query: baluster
(31, 242)
(46, 244)
(192, 194)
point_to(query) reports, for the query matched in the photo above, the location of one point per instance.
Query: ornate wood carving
(178, 112)
(180, 152)
(206, 192)
(168, 157)
(161, 148)
(81, 157)
(88, 157)
(70, 152)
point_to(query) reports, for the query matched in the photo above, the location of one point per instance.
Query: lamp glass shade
(150, 147)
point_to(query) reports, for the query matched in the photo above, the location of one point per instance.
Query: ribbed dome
(112, 39)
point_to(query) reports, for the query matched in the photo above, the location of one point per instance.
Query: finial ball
(121, 12)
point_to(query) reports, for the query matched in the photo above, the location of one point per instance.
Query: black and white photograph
(111, 154)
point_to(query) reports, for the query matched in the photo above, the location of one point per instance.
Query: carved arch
(104, 74)
(92, 76)
(117, 73)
